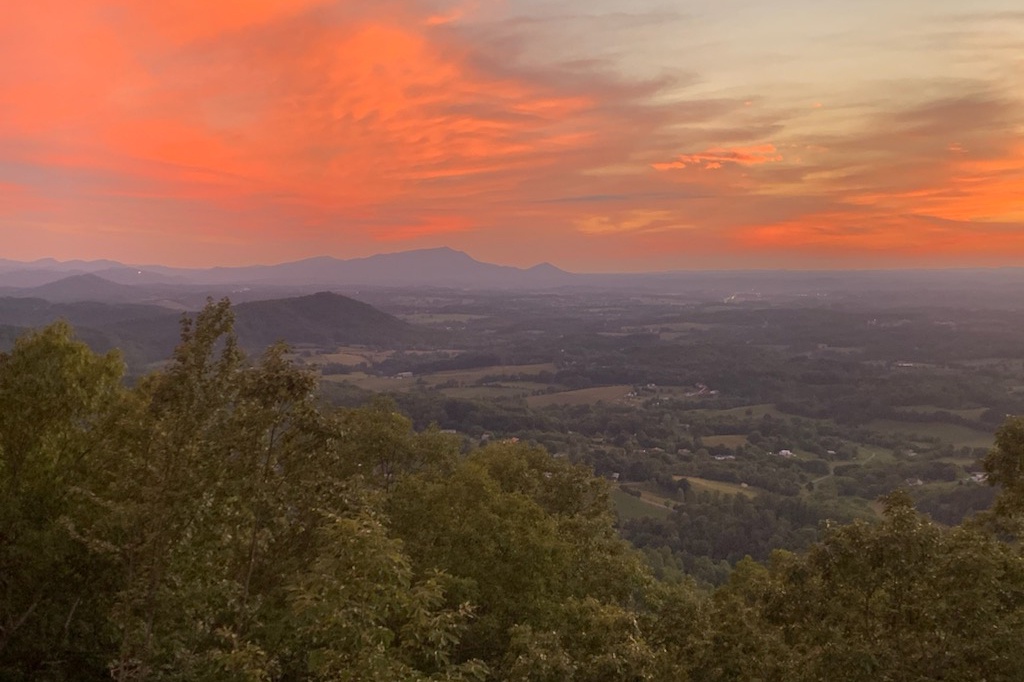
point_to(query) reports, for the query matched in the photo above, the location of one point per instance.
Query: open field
(471, 376)
(351, 355)
(756, 411)
(583, 396)
(729, 441)
(440, 318)
(974, 413)
(498, 392)
(369, 382)
(462, 379)
(629, 507)
(874, 454)
(707, 485)
(950, 433)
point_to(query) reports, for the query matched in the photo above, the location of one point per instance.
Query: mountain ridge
(441, 267)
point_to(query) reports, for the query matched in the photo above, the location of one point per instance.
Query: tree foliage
(212, 522)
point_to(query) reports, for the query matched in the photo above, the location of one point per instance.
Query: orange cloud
(275, 129)
(715, 157)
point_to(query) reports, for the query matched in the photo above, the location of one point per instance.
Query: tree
(1004, 465)
(900, 600)
(54, 398)
(524, 537)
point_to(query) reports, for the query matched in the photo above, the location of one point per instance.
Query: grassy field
(464, 379)
(583, 396)
(369, 382)
(471, 376)
(950, 433)
(486, 392)
(629, 507)
(756, 411)
(729, 441)
(707, 485)
(350, 355)
(974, 413)
(441, 318)
(874, 454)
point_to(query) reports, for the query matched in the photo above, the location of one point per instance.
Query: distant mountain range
(187, 289)
(442, 267)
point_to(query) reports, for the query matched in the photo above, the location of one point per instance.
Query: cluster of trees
(212, 522)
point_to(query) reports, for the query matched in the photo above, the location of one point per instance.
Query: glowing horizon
(607, 135)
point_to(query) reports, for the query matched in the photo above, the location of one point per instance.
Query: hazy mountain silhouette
(441, 267)
(85, 287)
(324, 319)
(148, 333)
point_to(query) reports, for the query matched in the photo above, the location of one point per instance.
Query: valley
(814, 393)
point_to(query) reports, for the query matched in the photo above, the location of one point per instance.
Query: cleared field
(369, 382)
(974, 413)
(874, 454)
(471, 376)
(949, 433)
(583, 396)
(729, 441)
(629, 507)
(707, 485)
(485, 392)
(350, 359)
(441, 318)
(463, 379)
(756, 411)
(350, 355)
(686, 326)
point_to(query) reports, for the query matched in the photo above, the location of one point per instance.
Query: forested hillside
(213, 521)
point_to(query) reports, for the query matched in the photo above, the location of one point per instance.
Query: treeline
(726, 528)
(212, 522)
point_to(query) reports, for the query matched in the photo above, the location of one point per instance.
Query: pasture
(583, 396)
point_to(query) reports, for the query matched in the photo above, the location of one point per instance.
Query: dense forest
(214, 520)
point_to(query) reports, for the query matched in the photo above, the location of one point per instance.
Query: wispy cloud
(272, 129)
(716, 157)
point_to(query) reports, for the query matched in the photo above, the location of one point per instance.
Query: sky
(598, 135)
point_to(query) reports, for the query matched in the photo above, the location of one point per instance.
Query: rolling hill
(323, 319)
(148, 333)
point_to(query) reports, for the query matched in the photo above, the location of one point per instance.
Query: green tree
(1004, 465)
(527, 539)
(898, 600)
(54, 398)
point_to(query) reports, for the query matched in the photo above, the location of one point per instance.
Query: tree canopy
(213, 521)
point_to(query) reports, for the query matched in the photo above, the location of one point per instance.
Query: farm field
(755, 411)
(973, 413)
(494, 392)
(583, 396)
(956, 434)
(629, 507)
(441, 318)
(707, 485)
(729, 441)
(455, 379)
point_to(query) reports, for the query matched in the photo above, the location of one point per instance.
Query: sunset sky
(599, 135)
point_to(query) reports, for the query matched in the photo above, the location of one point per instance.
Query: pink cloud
(716, 157)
